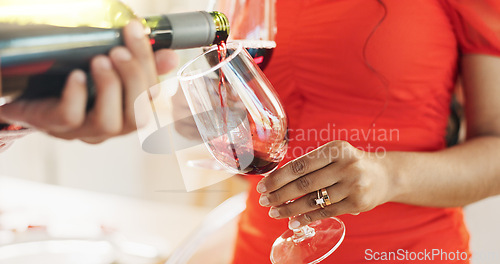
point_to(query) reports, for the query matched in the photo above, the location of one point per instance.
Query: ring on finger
(323, 199)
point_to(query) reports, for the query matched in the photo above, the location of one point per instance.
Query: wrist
(394, 165)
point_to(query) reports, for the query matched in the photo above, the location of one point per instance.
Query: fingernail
(137, 29)
(78, 76)
(103, 63)
(122, 54)
(294, 224)
(264, 201)
(274, 213)
(261, 188)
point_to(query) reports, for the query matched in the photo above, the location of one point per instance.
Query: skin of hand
(119, 78)
(357, 181)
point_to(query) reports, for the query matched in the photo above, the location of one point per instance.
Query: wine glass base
(289, 249)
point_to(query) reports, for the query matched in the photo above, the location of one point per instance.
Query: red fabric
(477, 25)
(402, 82)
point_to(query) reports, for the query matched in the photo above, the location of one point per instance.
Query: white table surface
(78, 213)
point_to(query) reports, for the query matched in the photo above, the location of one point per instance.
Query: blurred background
(143, 195)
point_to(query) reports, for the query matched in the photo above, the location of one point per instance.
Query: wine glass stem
(302, 233)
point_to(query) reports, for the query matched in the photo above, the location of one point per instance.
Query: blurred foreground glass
(244, 126)
(253, 22)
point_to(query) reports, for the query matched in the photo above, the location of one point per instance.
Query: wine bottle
(42, 41)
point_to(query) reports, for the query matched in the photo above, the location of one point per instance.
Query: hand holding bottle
(119, 78)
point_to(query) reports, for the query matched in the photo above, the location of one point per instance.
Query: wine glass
(244, 127)
(253, 23)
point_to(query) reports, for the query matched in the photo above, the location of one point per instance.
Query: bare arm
(468, 172)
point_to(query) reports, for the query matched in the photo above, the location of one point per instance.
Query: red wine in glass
(261, 56)
(245, 156)
(222, 54)
(255, 162)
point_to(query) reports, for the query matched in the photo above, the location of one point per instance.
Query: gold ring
(326, 197)
(323, 198)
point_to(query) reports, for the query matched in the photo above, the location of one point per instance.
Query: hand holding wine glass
(243, 125)
(356, 181)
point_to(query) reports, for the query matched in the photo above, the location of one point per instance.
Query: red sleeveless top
(343, 74)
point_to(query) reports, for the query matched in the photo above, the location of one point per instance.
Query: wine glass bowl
(236, 110)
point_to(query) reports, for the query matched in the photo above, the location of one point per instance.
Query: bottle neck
(221, 27)
(177, 30)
